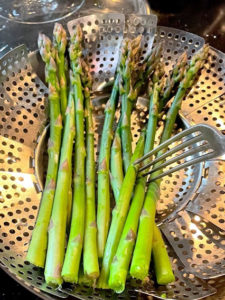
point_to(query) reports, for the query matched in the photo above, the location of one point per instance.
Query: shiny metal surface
(202, 142)
(209, 201)
(199, 253)
(21, 188)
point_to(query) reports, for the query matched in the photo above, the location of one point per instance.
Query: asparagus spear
(121, 261)
(70, 192)
(148, 67)
(90, 255)
(116, 163)
(127, 66)
(162, 265)
(57, 226)
(103, 212)
(38, 245)
(60, 42)
(141, 256)
(119, 214)
(70, 195)
(175, 77)
(75, 243)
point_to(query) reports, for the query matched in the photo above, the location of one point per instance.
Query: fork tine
(168, 142)
(185, 165)
(172, 151)
(181, 156)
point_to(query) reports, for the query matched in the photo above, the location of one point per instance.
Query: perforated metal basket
(191, 206)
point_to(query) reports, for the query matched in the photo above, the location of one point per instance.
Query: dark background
(203, 17)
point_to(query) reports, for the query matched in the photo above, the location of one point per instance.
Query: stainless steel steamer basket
(191, 207)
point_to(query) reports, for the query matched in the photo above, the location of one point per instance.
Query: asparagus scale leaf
(116, 164)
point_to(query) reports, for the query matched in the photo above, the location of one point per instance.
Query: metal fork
(204, 141)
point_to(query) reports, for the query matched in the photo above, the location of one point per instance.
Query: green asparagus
(162, 264)
(76, 236)
(131, 51)
(90, 254)
(103, 213)
(38, 245)
(103, 210)
(57, 226)
(70, 195)
(175, 77)
(60, 42)
(119, 214)
(142, 253)
(121, 261)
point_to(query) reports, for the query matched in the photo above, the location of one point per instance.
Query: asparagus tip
(59, 35)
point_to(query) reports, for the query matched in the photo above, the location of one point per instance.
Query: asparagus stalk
(127, 66)
(119, 214)
(75, 243)
(162, 264)
(57, 226)
(103, 210)
(90, 255)
(60, 42)
(70, 196)
(116, 164)
(38, 245)
(142, 253)
(70, 200)
(121, 261)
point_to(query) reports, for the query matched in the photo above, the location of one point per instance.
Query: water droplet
(15, 13)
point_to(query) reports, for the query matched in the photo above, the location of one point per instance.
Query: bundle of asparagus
(130, 236)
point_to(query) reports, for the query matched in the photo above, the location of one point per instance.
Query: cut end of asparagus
(92, 276)
(102, 285)
(36, 254)
(35, 257)
(86, 280)
(103, 280)
(139, 271)
(165, 278)
(69, 278)
(53, 281)
(117, 282)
